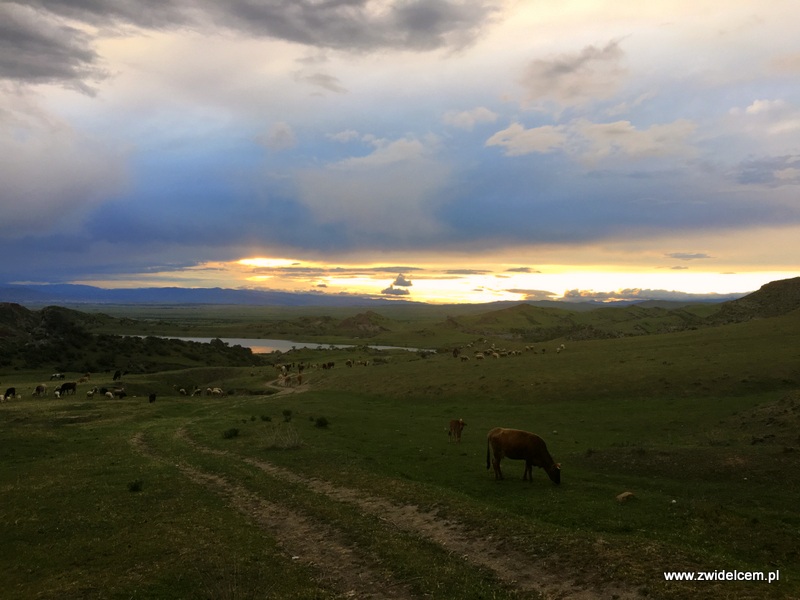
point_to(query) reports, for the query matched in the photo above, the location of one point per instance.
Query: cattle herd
(501, 443)
(67, 388)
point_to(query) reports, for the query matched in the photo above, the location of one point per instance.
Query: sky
(428, 150)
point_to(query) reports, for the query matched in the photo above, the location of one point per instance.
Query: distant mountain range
(70, 294)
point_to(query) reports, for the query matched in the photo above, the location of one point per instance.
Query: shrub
(287, 415)
(321, 422)
(135, 486)
(266, 418)
(230, 433)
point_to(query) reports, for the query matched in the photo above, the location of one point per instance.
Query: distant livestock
(56, 376)
(455, 429)
(10, 393)
(68, 387)
(41, 390)
(520, 445)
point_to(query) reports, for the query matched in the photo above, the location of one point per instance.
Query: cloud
(534, 295)
(279, 137)
(52, 40)
(600, 140)
(772, 171)
(382, 199)
(467, 119)
(466, 272)
(775, 117)
(642, 295)
(688, 255)
(393, 291)
(576, 79)
(519, 141)
(398, 287)
(402, 281)
(590, 141)
(386, 153)
(51, 175)
(324, 81)
(36, 47)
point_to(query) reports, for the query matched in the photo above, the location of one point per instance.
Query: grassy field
(347, 486)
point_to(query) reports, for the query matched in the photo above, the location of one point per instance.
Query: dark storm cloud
(353, 25)
(38, 41)
(36, 47)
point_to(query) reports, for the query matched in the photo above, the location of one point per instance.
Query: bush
(230, 433)
(287, 415)
(135, 486)
(266, 418)
(321, 422)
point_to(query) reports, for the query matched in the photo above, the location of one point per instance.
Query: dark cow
(10, 393)
(520, 445)
(455, 429)
(67, 388)
(41, 390)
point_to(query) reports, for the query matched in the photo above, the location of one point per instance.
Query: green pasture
(701, 426)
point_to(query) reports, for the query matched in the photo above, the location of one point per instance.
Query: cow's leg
(498, 474)
(528, 475)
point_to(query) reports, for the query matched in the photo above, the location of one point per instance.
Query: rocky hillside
(60, 339)
(772, 300)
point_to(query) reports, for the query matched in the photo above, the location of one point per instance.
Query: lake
(265, 346)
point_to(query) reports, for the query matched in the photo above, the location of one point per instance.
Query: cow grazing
(454, 432)
(10, 393)
(520, 445)
(69, 387)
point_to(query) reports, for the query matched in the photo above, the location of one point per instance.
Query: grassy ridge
(702, 426)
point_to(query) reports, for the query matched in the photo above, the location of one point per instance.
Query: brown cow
(520, 445)
(456, 427)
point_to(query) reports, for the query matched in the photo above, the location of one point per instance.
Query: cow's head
(555, 473)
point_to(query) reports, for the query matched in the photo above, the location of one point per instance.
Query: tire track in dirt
(339, 566)
(514, 568)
